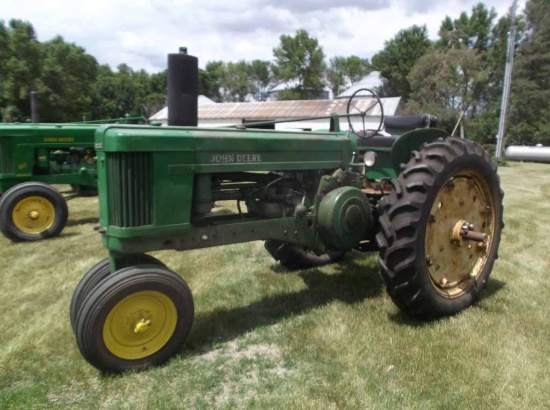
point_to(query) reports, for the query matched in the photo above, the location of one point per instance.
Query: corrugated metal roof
(293, 109)
(371, 81)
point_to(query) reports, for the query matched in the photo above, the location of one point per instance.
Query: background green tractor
(33, 156)
(430, 204)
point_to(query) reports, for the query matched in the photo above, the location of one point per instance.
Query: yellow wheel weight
(33, 215)
(140, 325)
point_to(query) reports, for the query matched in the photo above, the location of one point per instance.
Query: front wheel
(440, 228)
(138, 317)
(293, 257)
(94, 276)
(31, 211)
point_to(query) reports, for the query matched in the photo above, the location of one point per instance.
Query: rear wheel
(441, 228)
(293, 257)
(95, 275)
(31, 211)
(138, 317)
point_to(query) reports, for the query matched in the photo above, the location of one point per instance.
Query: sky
(141, 33)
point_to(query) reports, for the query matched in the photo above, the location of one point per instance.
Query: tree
(529, 112)
(210, 80)
(261, 77)
(236, 83)
(443, 81)
(21, 69)
(299, 60)
(398, 57)
(344, 71)
(67, 77)
(472, 31)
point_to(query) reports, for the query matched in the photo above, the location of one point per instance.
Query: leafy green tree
(67, 77)
(21, 69)
(210, 80)
(529, 112)
(344, 71)
(335, 74)
(4, 53)
(261, 77)
(470, 31)
(236, 83)
(398, 57)
(300, 59)
(443, 82)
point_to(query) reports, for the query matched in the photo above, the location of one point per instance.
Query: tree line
(459, 75)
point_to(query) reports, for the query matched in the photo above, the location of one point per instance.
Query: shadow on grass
(493, 287)
(82, 221)
(351, 284)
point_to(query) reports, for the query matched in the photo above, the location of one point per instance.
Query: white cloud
(142, 32)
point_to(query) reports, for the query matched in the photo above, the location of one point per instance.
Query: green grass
(319, 338)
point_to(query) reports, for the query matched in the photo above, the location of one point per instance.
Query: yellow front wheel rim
(33, 215)
(140, 325)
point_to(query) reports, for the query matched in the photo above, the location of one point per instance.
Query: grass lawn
(318, 338)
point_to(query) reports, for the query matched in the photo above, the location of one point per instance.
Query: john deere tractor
(34, 156)
(430, 204)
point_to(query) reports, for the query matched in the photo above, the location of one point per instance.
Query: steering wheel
(361, 102)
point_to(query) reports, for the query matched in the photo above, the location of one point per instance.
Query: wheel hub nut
(142, 326)
(33, 214)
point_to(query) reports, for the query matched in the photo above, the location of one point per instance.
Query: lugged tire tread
(400, 210)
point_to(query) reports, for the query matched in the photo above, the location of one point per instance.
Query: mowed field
(313, 339)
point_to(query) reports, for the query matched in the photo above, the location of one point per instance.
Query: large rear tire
(138, 317)
(440, 228)
(293, 257)
(95, 275)
(32, 211)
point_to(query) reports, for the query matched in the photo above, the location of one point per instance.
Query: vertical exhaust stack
(35, 118)
(183, 88)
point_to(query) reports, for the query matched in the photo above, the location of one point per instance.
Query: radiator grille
(6, 161)
(129, 185)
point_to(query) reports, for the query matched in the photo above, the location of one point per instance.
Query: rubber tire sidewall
(103, 298)
(95, 275)
(15, 194)
(442, 305)
(402, 254)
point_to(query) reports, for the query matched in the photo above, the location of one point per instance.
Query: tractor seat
(396, 125)
(399, 124)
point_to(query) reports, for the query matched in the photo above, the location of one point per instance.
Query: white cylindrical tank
(536, 154)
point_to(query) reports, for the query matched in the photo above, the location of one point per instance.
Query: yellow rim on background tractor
(463, 205)
(33, 215)
(140, 325)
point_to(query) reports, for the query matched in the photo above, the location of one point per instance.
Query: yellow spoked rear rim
(140, 325)
(33, 215)
(454, 265)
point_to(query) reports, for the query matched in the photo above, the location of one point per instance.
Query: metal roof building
(371, 81)
(230, 114)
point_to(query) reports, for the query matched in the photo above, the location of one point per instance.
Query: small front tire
(94, 276)
(138, 317)
(32, 211)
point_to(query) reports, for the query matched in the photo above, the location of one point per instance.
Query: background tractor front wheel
(440, 228)
(135, 318)
(31, 211)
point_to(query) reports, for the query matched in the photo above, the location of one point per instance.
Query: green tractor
(34, 156)
(430, 204)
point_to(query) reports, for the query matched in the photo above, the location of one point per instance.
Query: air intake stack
(183, 88)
